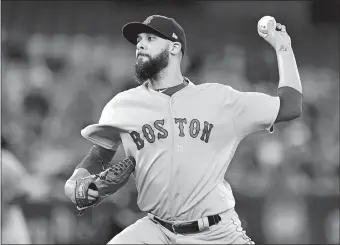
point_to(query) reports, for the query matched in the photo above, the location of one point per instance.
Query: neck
(169, 77)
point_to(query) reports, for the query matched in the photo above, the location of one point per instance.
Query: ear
(175, 48)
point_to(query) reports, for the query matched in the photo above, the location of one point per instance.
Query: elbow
(290, 104)
(288, 115)
(296, 114)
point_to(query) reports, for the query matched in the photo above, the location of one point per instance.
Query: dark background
(63, 60)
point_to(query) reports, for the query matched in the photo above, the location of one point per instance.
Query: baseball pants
(148, 231)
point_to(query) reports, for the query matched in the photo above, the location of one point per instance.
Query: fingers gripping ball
(264, 23)
(274, 33)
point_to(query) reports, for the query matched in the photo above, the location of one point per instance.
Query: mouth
(142, 55)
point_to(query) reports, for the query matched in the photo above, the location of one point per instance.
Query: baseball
(262, 25)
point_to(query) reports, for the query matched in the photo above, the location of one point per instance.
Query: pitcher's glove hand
(105, 183)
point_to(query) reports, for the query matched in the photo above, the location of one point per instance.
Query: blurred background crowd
(62, 61)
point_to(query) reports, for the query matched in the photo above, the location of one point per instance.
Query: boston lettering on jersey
(150, 133)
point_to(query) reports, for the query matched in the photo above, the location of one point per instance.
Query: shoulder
(213, 85)
(132, 91)
(119, 101)
(123, 96)
(217, 88)
(225, 94)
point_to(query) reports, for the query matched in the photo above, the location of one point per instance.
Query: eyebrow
(149, 34)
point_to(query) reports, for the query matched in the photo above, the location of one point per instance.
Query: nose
(140, 45)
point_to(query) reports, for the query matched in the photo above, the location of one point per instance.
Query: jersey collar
(172, 90)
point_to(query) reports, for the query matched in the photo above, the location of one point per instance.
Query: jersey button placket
(175, 149)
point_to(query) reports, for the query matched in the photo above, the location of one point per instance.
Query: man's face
(152, 56)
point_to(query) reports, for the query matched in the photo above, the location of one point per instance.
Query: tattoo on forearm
(283, 48)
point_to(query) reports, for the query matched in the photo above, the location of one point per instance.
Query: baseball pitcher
(180, 138)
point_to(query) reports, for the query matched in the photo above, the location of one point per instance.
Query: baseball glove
(106, 183)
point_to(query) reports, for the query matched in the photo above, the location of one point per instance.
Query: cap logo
(174, 36)
(148, 20)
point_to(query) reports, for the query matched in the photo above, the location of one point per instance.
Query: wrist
(284, 50)
(69, 188)
(79, 173)
(70, 185)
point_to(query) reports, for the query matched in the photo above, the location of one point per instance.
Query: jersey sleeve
(253, 111)
(108, 113)
(106, 133)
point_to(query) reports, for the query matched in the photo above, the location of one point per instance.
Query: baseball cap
(163, 26)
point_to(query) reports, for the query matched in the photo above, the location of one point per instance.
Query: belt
(192, 226)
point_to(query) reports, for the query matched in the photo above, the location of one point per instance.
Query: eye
(150, 38)
(138, 39)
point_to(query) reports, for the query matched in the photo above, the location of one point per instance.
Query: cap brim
(132, 29)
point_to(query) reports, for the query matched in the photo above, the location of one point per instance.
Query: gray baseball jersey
(183, 144)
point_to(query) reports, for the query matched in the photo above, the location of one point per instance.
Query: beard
(151, 68)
